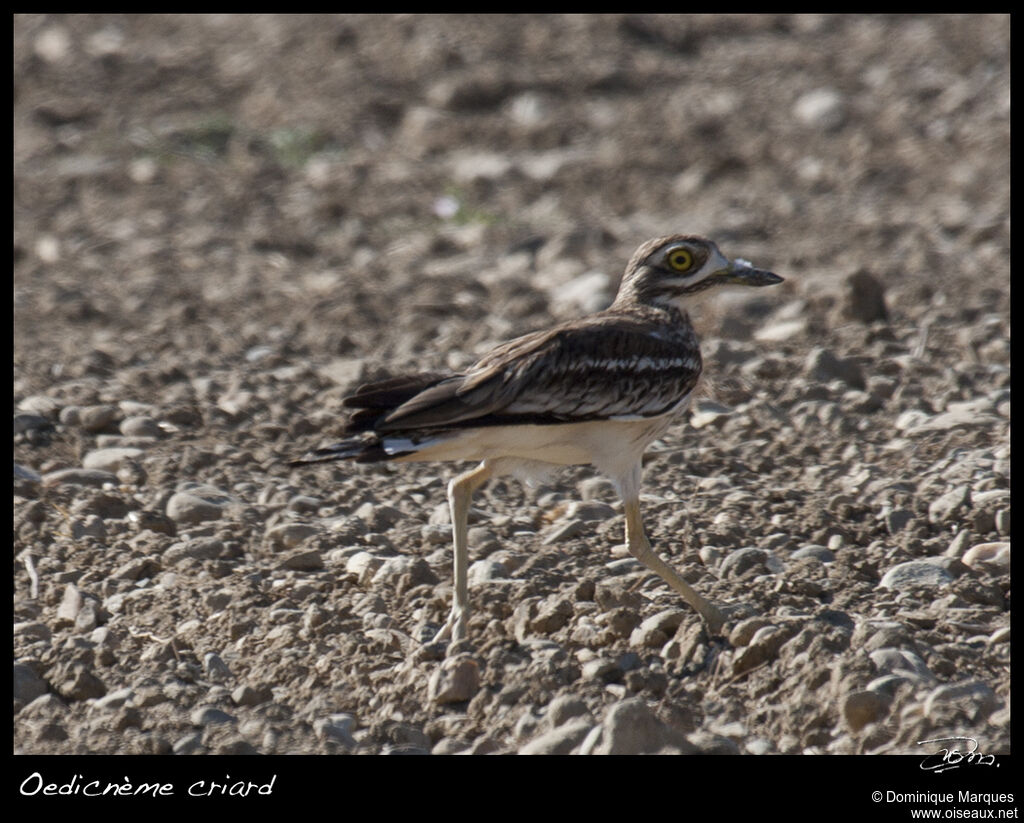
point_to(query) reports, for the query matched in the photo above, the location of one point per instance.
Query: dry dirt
(224, 223)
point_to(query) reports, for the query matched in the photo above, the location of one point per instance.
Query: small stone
(336, 727)
(744, 631)
(364, 566)
(823, 366)
(902, 662)
(97, 418)
(483, 571)
(91, 526)
(974, 697)
(946, 507)
(79, 477)
(344, 371)
(69, 606)
(140, 426)
(209, 715)
(560, 740)
(656, 630)
(183, 507)
(457, 679)
(564, 531)
(959, 545)
(763, 646)
(994, 557)
(53, 44)
(82, 685)
(110, 460)
(864, 707)
(32, 631)
(563, 708)
(27, 684)
(820, 553)
(865, 298)
(188, 744)
(897, 520)
(379, 517)
(246, 695)
(586, 294)
(821, 108)
(306, 560)
(630, 727)
(927, 572)
(289, 535)
(215, 667)
(115, 699)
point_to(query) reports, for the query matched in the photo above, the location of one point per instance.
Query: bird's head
(679, 270)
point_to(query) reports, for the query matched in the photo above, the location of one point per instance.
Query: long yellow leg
(640, 548)
(460, 492)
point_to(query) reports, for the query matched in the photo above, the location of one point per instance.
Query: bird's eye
(681, 260)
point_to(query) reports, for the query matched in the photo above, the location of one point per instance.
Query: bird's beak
(741, 273)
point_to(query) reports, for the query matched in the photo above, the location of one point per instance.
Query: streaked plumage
(592, 391)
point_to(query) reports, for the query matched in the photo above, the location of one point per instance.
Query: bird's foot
(454, 627)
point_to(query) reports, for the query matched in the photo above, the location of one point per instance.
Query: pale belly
(613, 445)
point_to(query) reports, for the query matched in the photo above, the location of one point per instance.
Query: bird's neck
(663, 314)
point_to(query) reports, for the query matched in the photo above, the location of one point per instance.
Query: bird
(590, 391)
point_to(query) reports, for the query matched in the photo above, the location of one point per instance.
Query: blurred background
(192, 188)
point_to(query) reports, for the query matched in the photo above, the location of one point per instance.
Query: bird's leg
(640, 547)
(460, 492)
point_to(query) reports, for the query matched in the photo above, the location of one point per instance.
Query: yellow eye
(680, 260)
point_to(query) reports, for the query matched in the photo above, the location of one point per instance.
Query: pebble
(821, 108)
(863, 707)
(364, 566)
(994, 557)
(247, 695)
(115, 699)
(560, 740)
(457, 679)
(656, 630)
(814, 552)
(927, 572)
(563, 708)
(865, 298)
(630, 727)
(82, 684)
(215, 667)
(289, 535)
(306, 560)
(336, 727)
(210, 715)
(27, 684)
(897, 520)
(823, 366)
(483, 571)
(744, 631)
(948, 506)
(140, 426)
(977, 699)
(763, 646)
(187, 508)
(79, 477)
(903, 663)
(91, 526)
(564, 531)
(742, 561)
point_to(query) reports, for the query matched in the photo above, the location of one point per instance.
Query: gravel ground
(223, 224)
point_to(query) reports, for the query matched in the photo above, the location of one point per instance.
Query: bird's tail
(361, 451)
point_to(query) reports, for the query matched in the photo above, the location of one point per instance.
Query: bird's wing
(596, 368)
